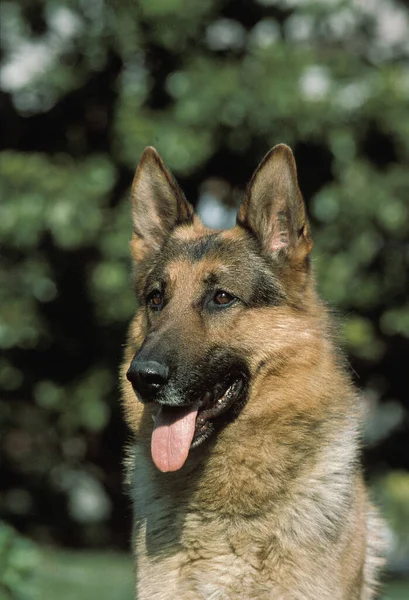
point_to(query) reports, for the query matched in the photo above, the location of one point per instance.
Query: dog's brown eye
(155, 300)
(223, 298)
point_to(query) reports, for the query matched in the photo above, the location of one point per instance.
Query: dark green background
(85, 86)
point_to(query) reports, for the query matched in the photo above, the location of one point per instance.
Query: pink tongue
(172, 435)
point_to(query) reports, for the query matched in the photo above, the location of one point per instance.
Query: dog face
(199, 343)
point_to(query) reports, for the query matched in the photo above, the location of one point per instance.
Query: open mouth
(177, 430)
(213, 404)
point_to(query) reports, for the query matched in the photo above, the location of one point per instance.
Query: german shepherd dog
(244, 467)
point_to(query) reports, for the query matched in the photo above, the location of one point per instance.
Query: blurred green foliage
(392, 495)
(213, 85)
(18, 560)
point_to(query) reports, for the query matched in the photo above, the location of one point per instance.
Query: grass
(68, 575)
(85, 575)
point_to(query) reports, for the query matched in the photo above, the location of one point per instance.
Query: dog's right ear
(158, 205)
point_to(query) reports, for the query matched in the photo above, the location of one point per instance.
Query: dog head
(199, 341)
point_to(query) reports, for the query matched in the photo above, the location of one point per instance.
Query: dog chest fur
(298, 545)
(184, 549)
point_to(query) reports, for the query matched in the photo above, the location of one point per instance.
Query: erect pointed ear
(273, 208)
(158, 204)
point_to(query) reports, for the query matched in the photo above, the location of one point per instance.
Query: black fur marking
(266, 291)
(196, 250)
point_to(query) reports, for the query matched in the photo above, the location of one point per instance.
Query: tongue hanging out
(172, 436)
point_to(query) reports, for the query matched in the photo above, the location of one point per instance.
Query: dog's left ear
(273, 208)
(158, 205)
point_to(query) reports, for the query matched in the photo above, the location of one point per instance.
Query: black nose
(147, 376)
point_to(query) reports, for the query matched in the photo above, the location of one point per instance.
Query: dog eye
(155, 300)
(222, 298)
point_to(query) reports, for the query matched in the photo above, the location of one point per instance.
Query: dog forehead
(198, 242)
(224, 259)
(184, 274)
(202, 270)
(212, 250)
(216, 261)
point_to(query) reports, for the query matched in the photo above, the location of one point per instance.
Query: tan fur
(273, 506)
